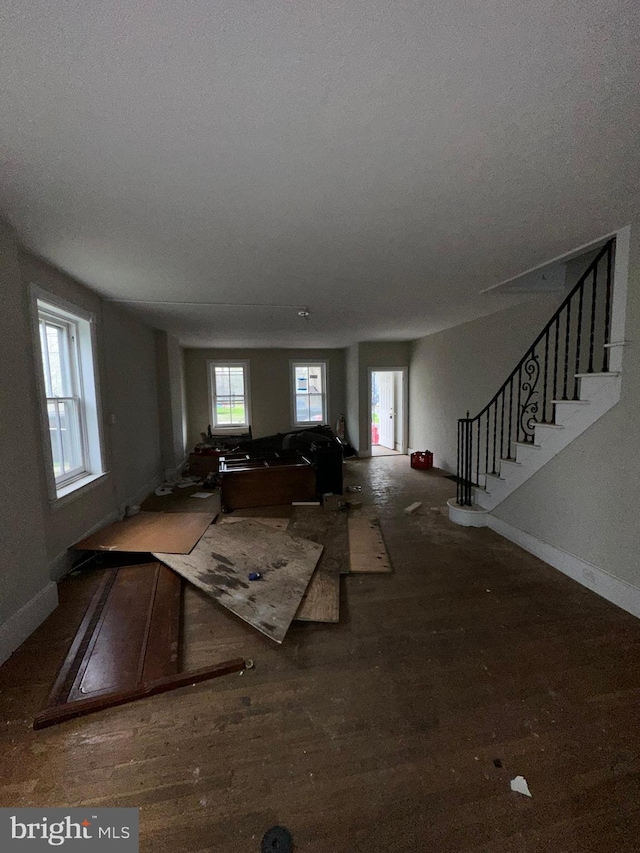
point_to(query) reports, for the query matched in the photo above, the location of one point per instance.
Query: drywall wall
(171, 401)
(352, 376)
(585, 500)
(375, 355)
(270, 383)
(128, 397)
(24, 566)
(460, 369)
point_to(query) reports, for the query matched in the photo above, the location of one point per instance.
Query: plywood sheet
(225, 556)
(168, 532)
(321, 601)
(367, 551)
(180, 500)
(273, 523)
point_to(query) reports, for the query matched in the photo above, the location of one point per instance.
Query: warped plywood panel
(321, 601)
(367, 551)
(168, 532)
(225, 556)
(274, 523)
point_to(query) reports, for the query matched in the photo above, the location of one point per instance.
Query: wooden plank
(168, 532)
(321, 601)
(367, 551)
(225, 556)
(69, 710)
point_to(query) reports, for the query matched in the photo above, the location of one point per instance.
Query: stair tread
(510, 461)
(549, 426)
(572, 402)
(587, 375)
(496, 477)
(527, 444)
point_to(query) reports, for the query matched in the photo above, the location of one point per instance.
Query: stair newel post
(519, 409)
(578, 342)
(509, 433)
(607, 311)
(592, 330)
(486, 453)
(459, 465)
(501, 427)
(478, 422)
(467, 484)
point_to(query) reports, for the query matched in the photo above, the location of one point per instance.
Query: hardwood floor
(380, 733)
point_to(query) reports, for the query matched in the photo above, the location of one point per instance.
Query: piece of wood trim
(69, 710)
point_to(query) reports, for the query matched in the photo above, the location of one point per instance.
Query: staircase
(567, 379)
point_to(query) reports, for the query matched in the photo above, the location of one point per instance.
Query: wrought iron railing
(573, 342)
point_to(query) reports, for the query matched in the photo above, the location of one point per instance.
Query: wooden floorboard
(374, 735)
(321, 601)
(170, 532)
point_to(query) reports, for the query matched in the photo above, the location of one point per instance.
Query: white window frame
(299, 362)
(80, 328)
(212, 363)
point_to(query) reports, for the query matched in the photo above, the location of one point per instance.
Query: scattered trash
(278, 839)
(163, 490)
(354, 489)
(254, 576)
(413, 507)
(354, 504)
(519, 785)
(333, 502)
(497, 762)
(201, 494)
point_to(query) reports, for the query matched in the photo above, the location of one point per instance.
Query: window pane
(57, 365)
(222, 382)
(236, 380)
(223, 411)
(302, 380)
(70, 435)
(54, 434)
(315, 379)
(315, 407)
(302, 408)
(238, 411)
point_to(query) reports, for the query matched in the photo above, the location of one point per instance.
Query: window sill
(74, 490)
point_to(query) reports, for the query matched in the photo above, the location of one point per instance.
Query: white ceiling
(377, 162)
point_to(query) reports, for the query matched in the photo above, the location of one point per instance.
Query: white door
(386, 410)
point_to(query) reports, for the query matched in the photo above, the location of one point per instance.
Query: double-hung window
(309, 392)
(229, 394)
(70, 409)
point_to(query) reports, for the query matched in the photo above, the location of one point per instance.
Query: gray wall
(460, 369)
(171, 401)
(585, 500)
(36, 535)
(24, 568)
(352, 413)
(269, 374)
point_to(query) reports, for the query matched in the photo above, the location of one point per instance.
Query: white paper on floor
(201, 494)
(519, 785)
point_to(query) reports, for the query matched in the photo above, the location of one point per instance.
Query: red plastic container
(422, 459)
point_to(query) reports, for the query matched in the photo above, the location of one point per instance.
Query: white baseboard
(614, 589)
(25, 621)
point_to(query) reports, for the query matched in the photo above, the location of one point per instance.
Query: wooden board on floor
(126, 647)
(272, 522)
(180, 500)
(321, 601)
(367, 551)
(225, 556)
(168, 532)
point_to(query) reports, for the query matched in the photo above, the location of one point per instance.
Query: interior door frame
(404, 370)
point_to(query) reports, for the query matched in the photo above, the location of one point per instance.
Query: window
(69, 401)
(229, 394)
(309, 382)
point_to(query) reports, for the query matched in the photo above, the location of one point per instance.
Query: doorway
(388, 410)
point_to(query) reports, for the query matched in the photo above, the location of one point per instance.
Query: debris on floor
(127, 646)
(367, 551)
(413, 507)
(519, 785)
